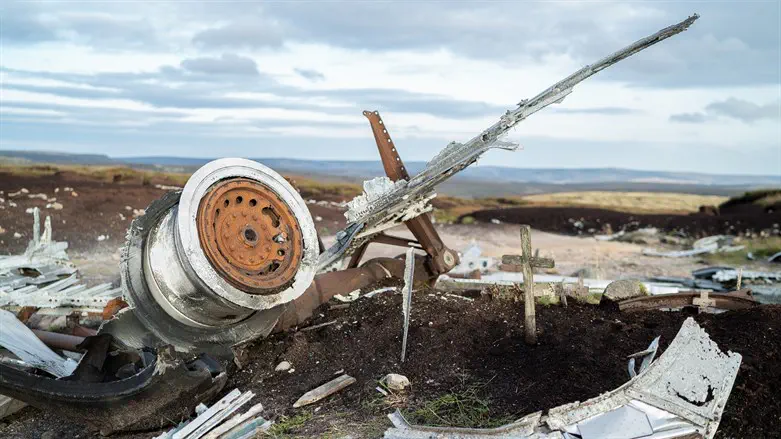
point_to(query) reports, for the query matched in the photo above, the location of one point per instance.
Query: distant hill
(476, 180)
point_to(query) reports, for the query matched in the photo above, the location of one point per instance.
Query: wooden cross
(527, 263)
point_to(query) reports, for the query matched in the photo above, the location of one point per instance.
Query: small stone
(74, 194)
(128, 208)
(395, 381)
(2, 230)
(624, 289)
(55, 206)
(17, 235)
(283, 366)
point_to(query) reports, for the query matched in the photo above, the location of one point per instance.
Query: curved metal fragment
(162, 393)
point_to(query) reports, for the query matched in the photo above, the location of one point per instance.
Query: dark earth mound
(745, 219)
(455, 343)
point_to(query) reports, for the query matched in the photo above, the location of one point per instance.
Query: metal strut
(441, 259)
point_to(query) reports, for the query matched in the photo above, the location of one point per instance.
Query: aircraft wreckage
(235, 255)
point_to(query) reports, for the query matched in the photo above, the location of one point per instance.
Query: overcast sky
(290, 79)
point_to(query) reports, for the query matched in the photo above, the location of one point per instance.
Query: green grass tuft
(465, 405)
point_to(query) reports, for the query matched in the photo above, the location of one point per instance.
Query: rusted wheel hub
(249, 236)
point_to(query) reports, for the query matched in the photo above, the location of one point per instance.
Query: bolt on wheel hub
(249, 236)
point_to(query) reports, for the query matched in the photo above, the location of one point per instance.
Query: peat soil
(582, 352)
(748, 220)
(101, 208)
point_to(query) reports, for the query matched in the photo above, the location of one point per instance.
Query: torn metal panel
(732, 274)
(404, 200)
(681, 395)
(647, 357)
(19, 339)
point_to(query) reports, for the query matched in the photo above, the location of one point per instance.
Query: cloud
(610, 111)
(227, 64)
(733, 108)
(22, 23)
(254, 33)
(689, 118)
(745, 111)
(312, 75)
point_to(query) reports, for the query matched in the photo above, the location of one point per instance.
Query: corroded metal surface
(249, 235)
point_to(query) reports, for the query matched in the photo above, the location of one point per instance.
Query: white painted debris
(732, 274)
(371, 294)
(373, 190)
(128, 208)
(471, 260)
(210, 419)
(680, 395)
(406, 297)
(19, 286)
(102, 238)
(17, 235)
(495, 221)
(283, 366)
(348, 298)
(710, 244)
(235, 421)
(19, 339)
(138, 212)
(17, 193)
(38, 196)
(318, 218)
(509, 279)
(325, 390)
(166, 187)
(456, 296)
(395, 381)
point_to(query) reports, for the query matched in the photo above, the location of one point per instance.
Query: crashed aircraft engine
(208, 266)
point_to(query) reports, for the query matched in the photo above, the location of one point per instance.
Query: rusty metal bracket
(440, 259)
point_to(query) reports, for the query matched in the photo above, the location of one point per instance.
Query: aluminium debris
(22, 341)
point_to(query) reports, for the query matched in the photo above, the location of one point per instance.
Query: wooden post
(527, 262)
(530, 321)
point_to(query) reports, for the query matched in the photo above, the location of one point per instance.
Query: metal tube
(56, 340)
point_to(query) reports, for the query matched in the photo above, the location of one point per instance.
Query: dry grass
(446, 209)
(100, 173)
(632, 202)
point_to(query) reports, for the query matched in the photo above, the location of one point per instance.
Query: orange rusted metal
(250, 236)
(441, 259)
(112, 308)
